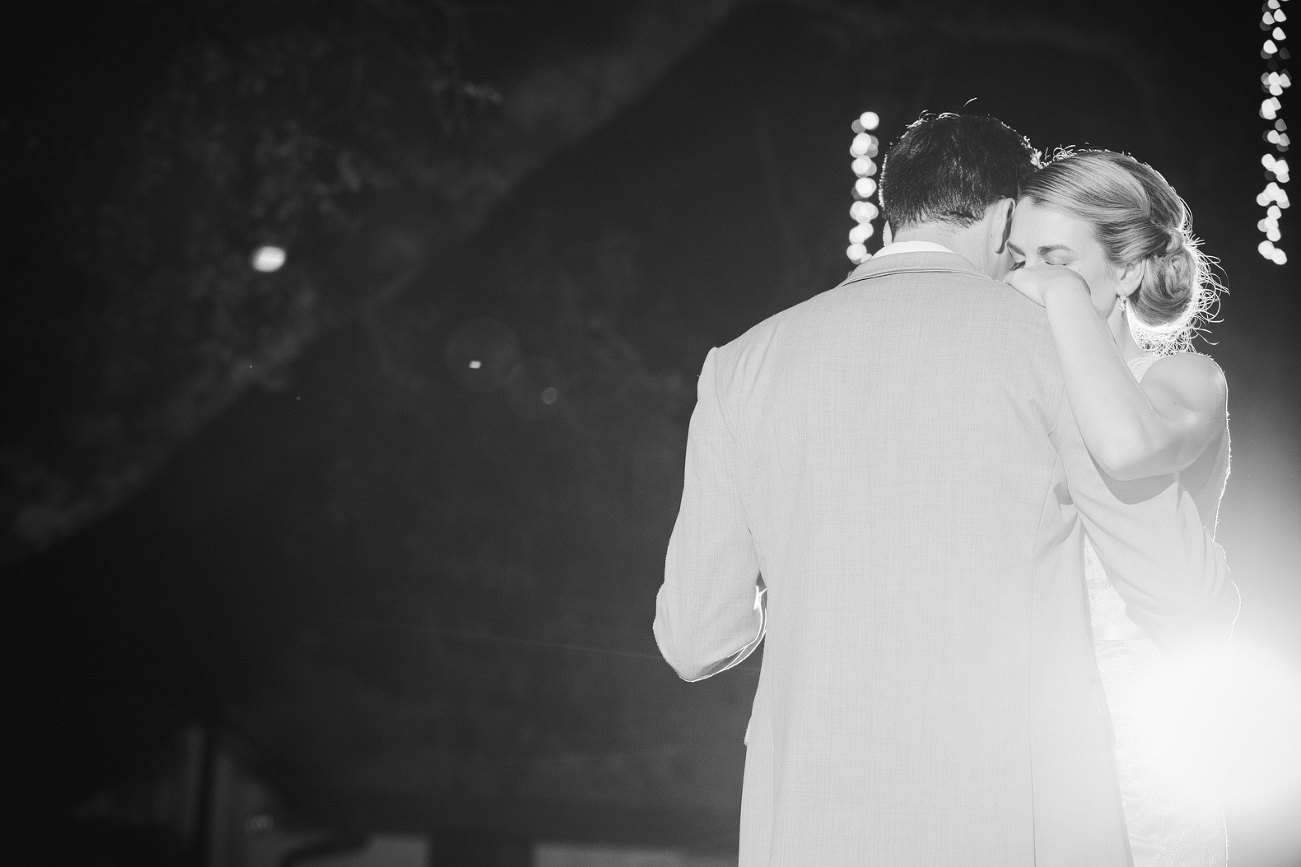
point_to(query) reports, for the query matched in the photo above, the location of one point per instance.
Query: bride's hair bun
(1138, 219)
(1168, 294)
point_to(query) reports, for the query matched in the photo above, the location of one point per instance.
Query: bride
(1103, 242)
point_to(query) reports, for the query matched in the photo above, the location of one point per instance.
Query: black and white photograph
(650, 433)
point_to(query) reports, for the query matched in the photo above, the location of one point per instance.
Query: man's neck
(969, 242)
(930, 232)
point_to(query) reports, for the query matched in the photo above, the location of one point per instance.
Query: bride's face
(1045, 237)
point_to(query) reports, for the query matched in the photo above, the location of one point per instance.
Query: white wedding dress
(1171, 823)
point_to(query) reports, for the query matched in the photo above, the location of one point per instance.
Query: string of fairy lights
(864, 147)
(1273, 81)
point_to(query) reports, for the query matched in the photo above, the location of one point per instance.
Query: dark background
(424, 597)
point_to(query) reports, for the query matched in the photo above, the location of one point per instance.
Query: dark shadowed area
(387, 523)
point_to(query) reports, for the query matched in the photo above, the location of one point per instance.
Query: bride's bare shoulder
(1197, 378)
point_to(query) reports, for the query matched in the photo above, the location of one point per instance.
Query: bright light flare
(1225, 727)
(268, 259)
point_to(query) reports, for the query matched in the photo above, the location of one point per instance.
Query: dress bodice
(1106, 608)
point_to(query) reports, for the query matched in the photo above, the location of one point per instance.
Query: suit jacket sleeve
(1150, 538)
(709, 613)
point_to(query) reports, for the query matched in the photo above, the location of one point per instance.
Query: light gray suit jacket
(897, 459)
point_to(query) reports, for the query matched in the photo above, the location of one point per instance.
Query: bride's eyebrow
(1015, 249)
(1054, 248)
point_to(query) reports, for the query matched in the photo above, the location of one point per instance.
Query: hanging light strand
(1274, 81)
(863, 149)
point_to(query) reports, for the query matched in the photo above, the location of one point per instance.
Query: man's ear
(1000, 228)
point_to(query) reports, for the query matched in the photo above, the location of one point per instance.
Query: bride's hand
(1036, 281)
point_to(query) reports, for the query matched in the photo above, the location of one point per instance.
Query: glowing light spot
(857, 253)
(1269, 108)
(1266, 249)
(869, 120)
(1279, 257)
(1273, 213)
(268, 259)
(1279, 16)
(481, 353)
(864, 187)
(1268, 19)
(1272, 4)
(1268, 48)
(1273, 234)
(859, 146)
(550, 395)
(1279, 34)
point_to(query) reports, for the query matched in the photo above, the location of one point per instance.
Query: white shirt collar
(911, 247)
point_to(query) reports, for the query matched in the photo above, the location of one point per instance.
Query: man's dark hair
(950, 168)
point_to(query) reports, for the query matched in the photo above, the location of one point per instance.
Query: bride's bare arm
(1132, 430)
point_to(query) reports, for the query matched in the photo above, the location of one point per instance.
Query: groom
(886, 481)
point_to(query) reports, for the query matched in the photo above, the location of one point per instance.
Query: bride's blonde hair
(1137, 218)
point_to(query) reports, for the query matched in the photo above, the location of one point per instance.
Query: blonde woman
(1103, 242)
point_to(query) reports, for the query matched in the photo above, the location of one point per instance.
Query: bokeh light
(268, 259)
(862, 149)
(1274, 81)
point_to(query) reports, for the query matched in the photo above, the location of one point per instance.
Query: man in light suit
(887, 483)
